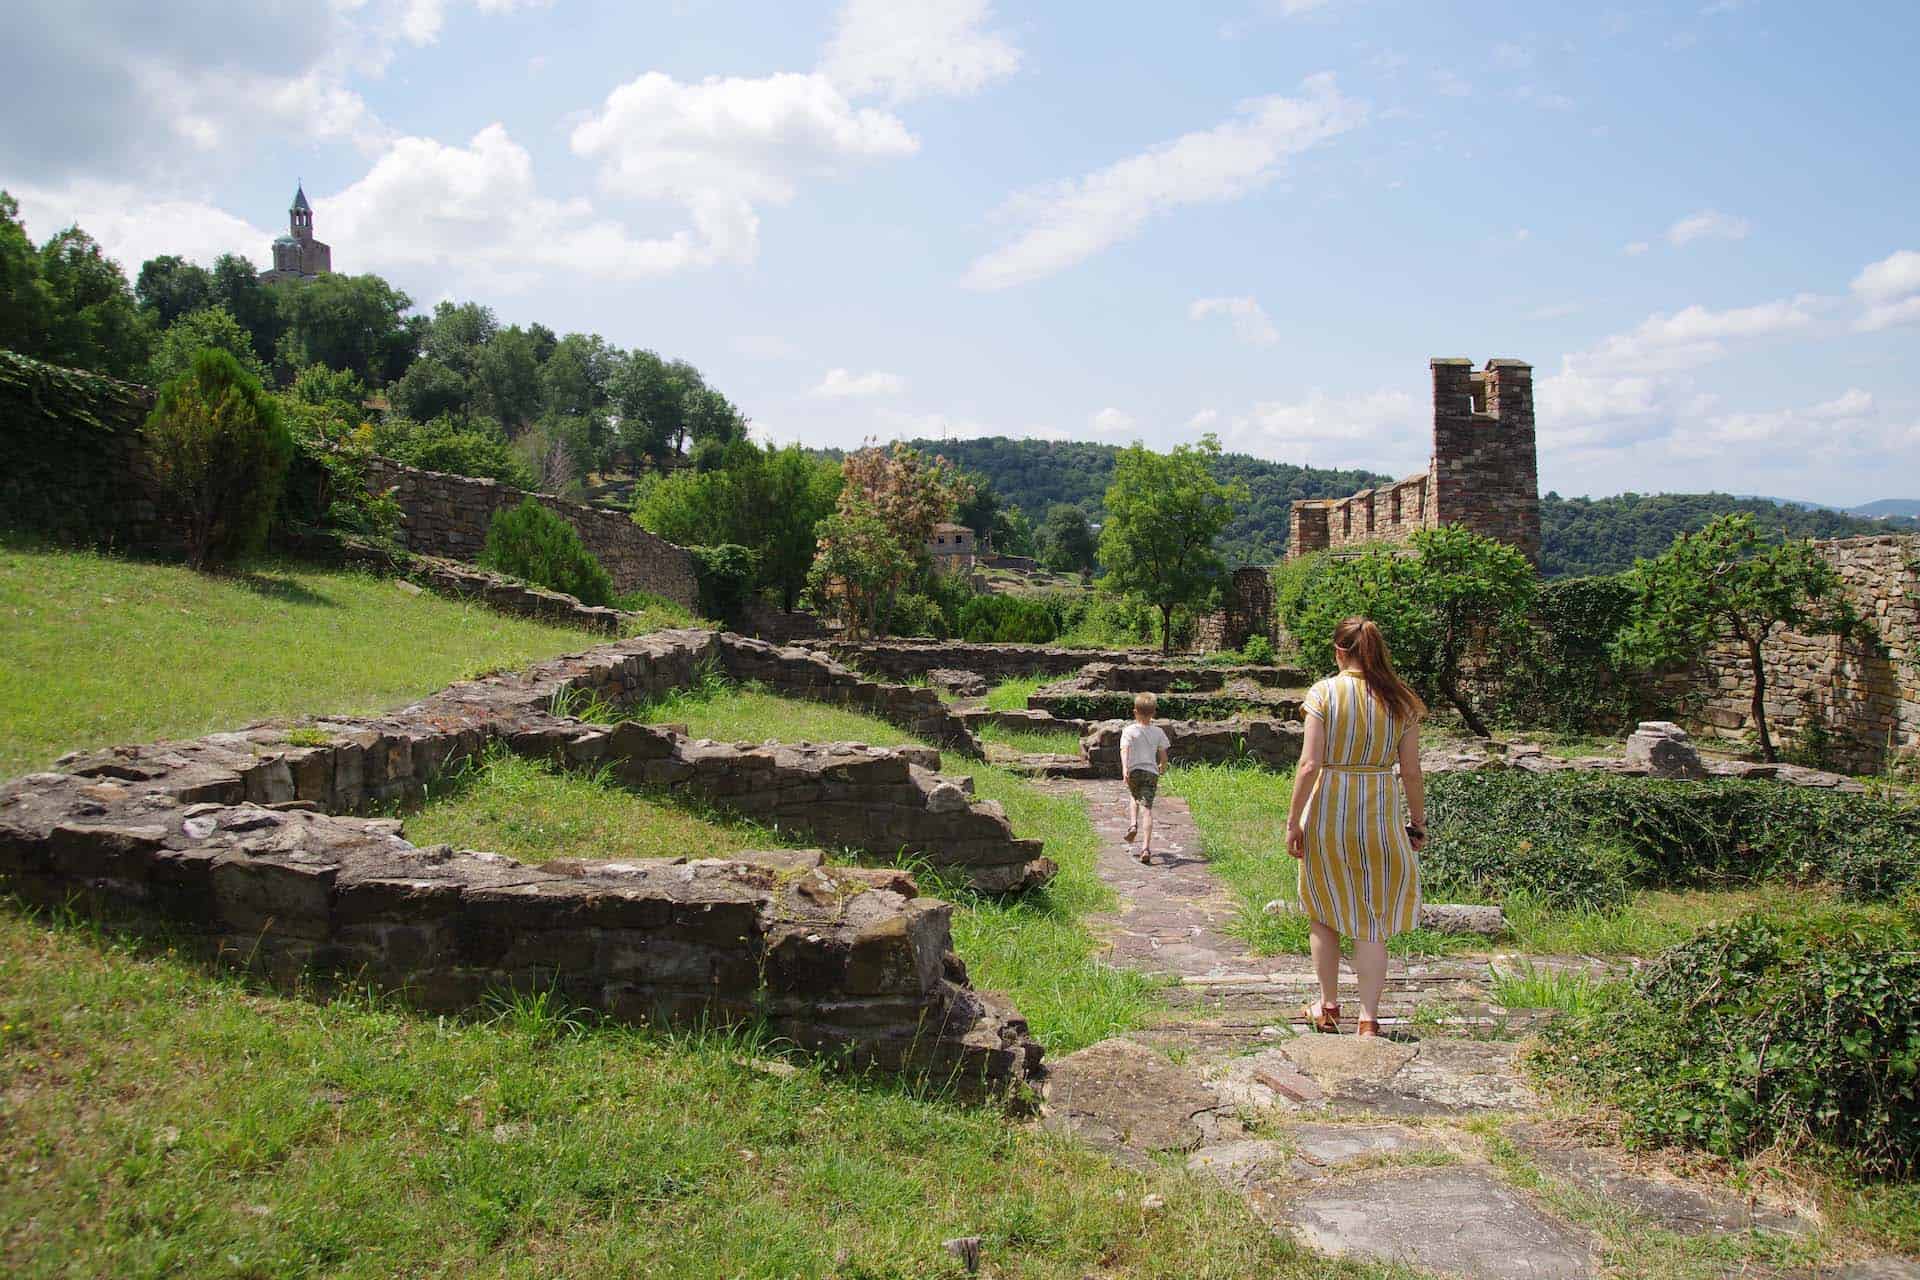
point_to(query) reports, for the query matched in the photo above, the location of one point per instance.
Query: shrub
(916, 615)
(533, 544)
(990, 619)
(220, 449)
(1766, 1032)
(480, 451)
(1258, 651)
(1580, 839)
(1565, 677)
(725, 575)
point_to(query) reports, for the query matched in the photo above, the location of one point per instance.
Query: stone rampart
(1861, 695)
(995, 662)
(448, 515)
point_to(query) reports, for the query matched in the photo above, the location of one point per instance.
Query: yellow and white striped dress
(1359, 874)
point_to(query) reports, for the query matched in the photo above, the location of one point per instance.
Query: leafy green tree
(220, 449)
(322, 386)
(169, 287)
(1066, 540)
(92, 322)
(575, 376)
(861, 567)
(196, 331)
(648, 395)
(533, 544)
(1012, 532)
(1164, 511)
(801, 491)
(506, 374)
(1728, 581)
(24, 301)
(348, 322)
(477, 448)
(237, 287)
(429, 390)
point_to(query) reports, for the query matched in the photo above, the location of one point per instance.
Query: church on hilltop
(297, 255)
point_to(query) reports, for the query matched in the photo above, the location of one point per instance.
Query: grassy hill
(1580, 535)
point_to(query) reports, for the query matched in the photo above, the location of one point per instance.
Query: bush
(990, 619)
(480, 451)
(537, 546)
(1794, 1033)
(916, 615)
(220, 449)
(1257, 651)
(725, 575)
(1565, 677)
(1581, 839)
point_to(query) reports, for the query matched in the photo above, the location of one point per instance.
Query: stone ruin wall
(911, 659)
(246, 843)
(448, 515)
(1483, 472)
(1247, 611)
(1863, 695)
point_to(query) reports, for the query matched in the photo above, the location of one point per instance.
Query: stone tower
(297, 255)
(1483, 474)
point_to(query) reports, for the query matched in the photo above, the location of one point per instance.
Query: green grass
(1526, 986)
(655, 613)
(101, 650)
(1034, 949)
(1650, 922)
(162, 1121)
(1011, 695)
(1063, 742)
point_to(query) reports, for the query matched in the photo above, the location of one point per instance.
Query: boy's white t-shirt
(1140, 747)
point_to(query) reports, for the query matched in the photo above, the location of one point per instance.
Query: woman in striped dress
(1358, 873)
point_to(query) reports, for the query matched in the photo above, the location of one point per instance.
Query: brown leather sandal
(1326, 1022)
(1368, 1027)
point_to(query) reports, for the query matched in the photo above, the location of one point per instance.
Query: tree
(220, 450)
(169, 287)
(237, 287)
(92, 322)
(1012, 532)
(861, 566)
(647, 396)
(429, 390)
(1726, 581)
(1066, 540)
(347, 322)
(196, 331)
(909, 490)
(24, 302)
(801, 491)
(1163, 513)
(575, 376)
(506, 374)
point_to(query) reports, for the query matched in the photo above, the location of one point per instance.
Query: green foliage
(914, 614)
(326, 489)
(220, 450)
(1587, 840)
(1727, 580)
(1101, 619)
(1006, 620)
(51, 480)
(860, 568)
(1765, 1033)
(169, 287)
(1163, 513)
(346, 322)
(1257, 651)
(725, 574)
(537, 546)
(1584, 536)
(68, 303)
(480, 449)
(1066, 540)
(197, 330)
(1565, 676)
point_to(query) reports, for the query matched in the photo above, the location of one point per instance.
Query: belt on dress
(1359, 768)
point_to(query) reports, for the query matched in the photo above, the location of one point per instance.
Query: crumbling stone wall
(1863, 696)
(1247, 611)
(1483, 472)
(448, 515)
(1271, 744)
(905, 659)
(248, 840)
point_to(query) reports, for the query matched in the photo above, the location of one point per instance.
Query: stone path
(1397, 1149)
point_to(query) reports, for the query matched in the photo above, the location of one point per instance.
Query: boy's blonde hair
(1145, 702)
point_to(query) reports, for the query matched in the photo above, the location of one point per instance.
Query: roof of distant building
(300, 199)
(947, 526)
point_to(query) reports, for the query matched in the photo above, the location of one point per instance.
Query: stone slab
(1460, 1222)
(1677, 1206)
(1126, 1099)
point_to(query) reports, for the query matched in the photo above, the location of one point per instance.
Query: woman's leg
(1325, 944)
(1370, 966)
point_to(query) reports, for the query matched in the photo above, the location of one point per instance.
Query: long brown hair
(1362, 641)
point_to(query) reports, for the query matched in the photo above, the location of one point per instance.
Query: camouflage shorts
(1142, 785)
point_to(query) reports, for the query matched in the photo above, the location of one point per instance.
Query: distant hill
(1579, 535)
(1036, 474)
(1604, 535)
(1886, 507)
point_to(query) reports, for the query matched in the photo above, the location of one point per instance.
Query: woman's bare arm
(1414, 782)
(1312, 751)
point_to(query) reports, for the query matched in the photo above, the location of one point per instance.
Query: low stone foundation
(247, 841)
(496, 591)
(993, 662)
(1272, 744)
(1083, 698)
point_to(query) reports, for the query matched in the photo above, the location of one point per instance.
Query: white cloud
(1384, 428)
(1890, 290)
(1071, 221)
(1113, 422)
(1635, 248)
(476, 213)
(910, 50)
(1203, 420)
(1708, 224)
(132, 228)
(420, 21)
(1250, 320)
(723, 147)
(840, 383)
(1692, 337)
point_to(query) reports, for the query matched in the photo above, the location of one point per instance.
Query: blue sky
(1259, 218)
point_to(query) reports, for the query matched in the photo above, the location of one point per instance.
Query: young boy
(1143, 757)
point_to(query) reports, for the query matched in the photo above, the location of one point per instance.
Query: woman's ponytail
(1361, 640)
